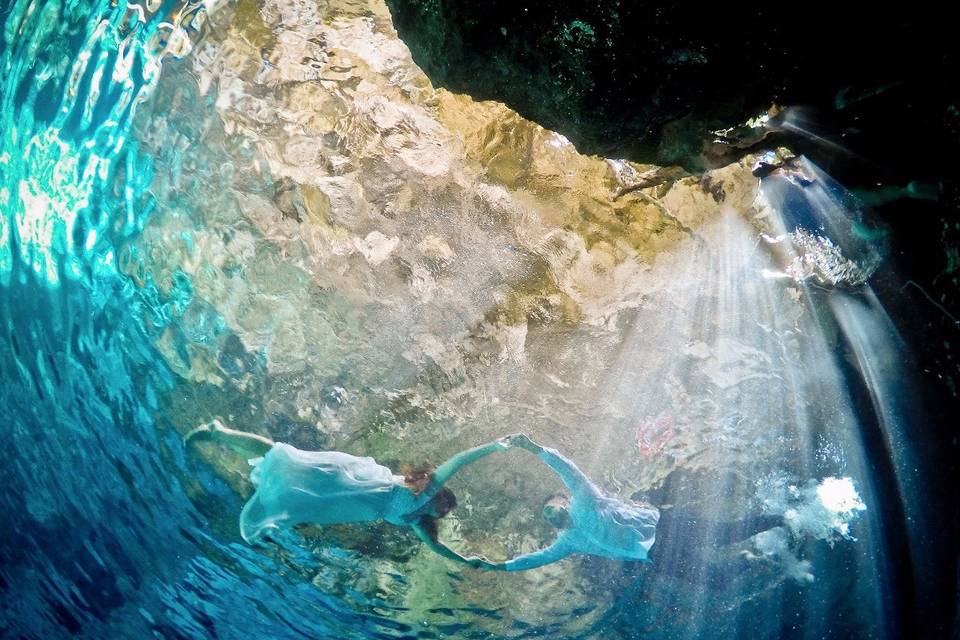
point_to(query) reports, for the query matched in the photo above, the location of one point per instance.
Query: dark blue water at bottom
(99, 538)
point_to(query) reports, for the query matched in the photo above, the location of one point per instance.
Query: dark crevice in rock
(649, 81)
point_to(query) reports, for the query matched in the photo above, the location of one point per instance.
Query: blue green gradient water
(99, 539)
(103, 536)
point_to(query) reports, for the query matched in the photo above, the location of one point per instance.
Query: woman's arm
(248, 444)
(556, 551)
(446, 470)
(575, 480)
(447, 552)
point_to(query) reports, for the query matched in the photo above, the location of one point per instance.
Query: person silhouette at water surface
(330, 487)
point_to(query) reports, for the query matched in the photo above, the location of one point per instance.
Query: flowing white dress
(601, 525)
(321, 487)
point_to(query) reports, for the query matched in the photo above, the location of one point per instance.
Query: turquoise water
(99, 538)
(105, 533)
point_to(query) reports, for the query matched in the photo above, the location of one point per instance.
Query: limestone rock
(395, 270)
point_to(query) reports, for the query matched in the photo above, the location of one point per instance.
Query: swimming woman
(591, 522)
(330, 487)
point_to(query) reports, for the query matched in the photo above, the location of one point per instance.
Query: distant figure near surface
(330, 487)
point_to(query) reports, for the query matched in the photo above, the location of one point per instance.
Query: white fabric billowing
(612, 528)
(320, 487)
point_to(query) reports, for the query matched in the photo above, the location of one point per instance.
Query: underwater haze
(263, 212)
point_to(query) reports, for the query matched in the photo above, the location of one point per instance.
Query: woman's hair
(559, 504)
(418, 480)
(443, 503)
(429, 525)
(445, 500)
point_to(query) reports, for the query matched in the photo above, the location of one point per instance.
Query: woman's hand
(480, 562)
(206, 431)
(519, 440)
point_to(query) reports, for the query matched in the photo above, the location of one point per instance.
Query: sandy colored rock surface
(362, 262)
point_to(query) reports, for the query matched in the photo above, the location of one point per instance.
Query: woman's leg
(680, 529)
(249, 444)
(734, 531)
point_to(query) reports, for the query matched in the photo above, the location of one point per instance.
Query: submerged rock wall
(357, 260)
(651, 80)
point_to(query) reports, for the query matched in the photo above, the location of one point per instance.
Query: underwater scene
(435, 319)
